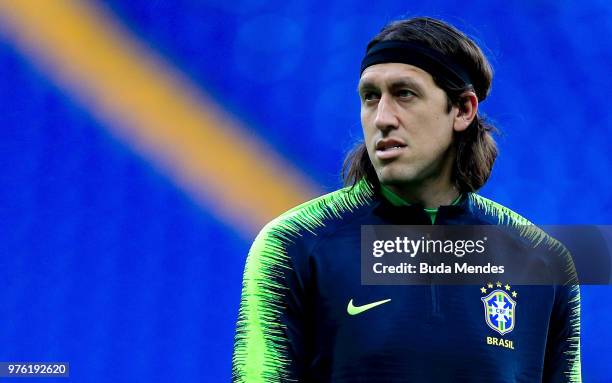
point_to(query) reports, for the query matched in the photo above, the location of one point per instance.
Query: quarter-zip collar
(401, 212)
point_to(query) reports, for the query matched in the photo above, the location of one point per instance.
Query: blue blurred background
(110, 260)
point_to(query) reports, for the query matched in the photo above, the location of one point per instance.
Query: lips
(389, 143)
(389, 148)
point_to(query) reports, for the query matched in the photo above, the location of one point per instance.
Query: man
(306, 316)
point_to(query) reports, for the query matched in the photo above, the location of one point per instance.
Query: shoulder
(319, 214)
(492, 213)
(279, 249)
(299, 229)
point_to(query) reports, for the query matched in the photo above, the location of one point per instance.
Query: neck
(430, 195)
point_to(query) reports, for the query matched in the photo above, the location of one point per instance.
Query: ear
(466, 111)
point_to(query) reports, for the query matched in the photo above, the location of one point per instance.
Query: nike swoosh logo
(354, 310)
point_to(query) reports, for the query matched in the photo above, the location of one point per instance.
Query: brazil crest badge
(500, 310)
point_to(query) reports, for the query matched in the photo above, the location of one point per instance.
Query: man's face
(408, 131)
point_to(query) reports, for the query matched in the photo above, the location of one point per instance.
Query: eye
(369, 96)
(405, 93)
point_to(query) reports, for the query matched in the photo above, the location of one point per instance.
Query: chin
(396, 174)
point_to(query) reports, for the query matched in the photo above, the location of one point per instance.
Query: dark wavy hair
(475, 147)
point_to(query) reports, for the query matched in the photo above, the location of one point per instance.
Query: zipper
(435, 302)
(435, 292)
(442, 218)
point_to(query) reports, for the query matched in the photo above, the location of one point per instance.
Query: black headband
(430, 60)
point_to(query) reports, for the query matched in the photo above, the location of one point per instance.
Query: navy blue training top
(305, 316)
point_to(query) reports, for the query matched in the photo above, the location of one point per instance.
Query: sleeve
(562, 359)
(269, 345)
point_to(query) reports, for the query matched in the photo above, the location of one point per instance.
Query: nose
(386, 119)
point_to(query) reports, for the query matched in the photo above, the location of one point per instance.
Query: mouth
(389, 148)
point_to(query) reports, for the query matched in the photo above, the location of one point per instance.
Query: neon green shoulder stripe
(507, 217)
(525, 228)
(574, 372)
(260, 348)
(504, 215)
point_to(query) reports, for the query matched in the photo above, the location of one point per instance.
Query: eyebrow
(401, 82)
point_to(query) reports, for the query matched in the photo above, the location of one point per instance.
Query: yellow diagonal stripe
(144, 101)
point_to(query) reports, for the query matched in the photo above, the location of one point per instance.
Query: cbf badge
(499, 308)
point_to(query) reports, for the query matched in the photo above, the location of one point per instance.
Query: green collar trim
(399, 201)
